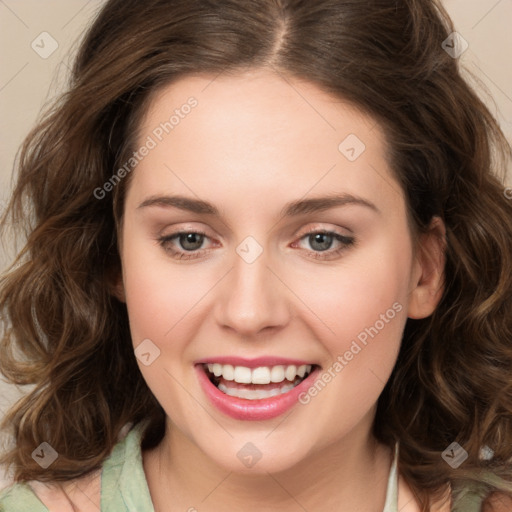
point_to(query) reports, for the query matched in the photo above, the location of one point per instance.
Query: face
(265, 239)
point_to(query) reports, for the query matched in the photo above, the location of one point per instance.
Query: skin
(255, 142)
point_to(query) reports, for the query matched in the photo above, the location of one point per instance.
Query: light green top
(123, 483)
(124, 487)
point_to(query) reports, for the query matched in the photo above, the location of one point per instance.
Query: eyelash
(346, 242)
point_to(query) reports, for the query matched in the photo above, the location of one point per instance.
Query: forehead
(257, 106)
(261, 131)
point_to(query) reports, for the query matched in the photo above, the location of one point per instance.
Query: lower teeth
(254, 394)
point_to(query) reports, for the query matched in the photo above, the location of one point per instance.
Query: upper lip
(255, 362)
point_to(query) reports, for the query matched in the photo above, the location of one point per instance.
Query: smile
(256, 383)
(254, 390)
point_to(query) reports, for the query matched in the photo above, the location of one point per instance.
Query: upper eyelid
(323, 230)
(299, 232)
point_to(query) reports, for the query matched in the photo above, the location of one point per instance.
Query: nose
(252, 299)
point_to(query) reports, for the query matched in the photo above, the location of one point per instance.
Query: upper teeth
(260, 375)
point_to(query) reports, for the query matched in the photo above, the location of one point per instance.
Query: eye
(184, 245)
(321, 242)
(187, 245)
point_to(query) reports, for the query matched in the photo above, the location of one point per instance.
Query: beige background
(27, 80)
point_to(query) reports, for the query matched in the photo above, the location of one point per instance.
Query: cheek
(363, 299)
(157, 294)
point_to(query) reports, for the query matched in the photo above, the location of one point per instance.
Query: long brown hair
(65, 332)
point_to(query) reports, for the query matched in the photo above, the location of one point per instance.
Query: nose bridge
(252, 298)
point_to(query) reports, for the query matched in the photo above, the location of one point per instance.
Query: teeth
(243, 375)
(260, 375)
(228, 372)
(255, 394)
(277, 374)
(290, 372)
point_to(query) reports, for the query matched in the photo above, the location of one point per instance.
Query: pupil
(191, 241)
(322, 241)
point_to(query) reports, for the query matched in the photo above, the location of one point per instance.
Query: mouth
(256, 383)
(251, 390)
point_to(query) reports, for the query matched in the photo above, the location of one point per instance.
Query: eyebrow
(292, 209)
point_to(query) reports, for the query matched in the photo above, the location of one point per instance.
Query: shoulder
(407, 501)
(79, 494)
(19, 497)
(84, 493)
(468, 499)
(497, 502)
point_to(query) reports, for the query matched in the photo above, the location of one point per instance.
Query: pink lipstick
(254, 389)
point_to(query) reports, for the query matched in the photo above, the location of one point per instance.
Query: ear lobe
(428, 277)
(117, 290)
(116, 285)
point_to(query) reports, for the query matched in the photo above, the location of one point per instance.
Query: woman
(268, 268)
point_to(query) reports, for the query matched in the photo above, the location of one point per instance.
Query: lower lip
(253, 410)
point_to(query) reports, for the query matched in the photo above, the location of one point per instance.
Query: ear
(427, 283)
(116, 284)
(117, 290)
